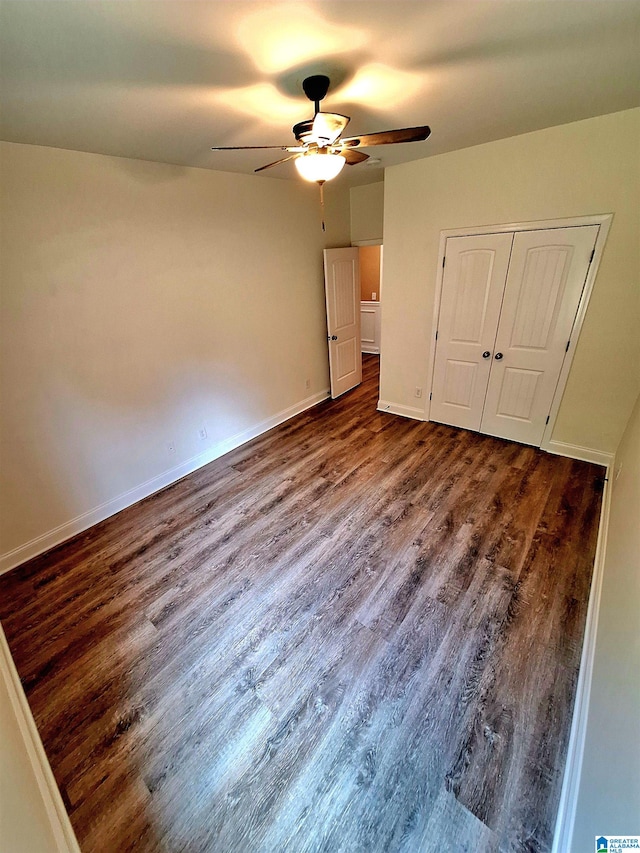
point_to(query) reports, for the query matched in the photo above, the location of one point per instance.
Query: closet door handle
(498, 355)
(486, 354)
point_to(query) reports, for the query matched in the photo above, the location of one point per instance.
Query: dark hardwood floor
(355, 634)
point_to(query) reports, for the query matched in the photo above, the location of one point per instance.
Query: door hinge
(566, 349)
(436, 334)
(547, 420)
(443, 261)
(592, 255)
(431, 395)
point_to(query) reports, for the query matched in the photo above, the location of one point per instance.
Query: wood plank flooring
(355, 633)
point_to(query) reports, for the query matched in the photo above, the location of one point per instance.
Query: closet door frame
(603, 220)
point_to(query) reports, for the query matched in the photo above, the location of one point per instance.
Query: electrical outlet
(418, 392)
(202, 433)
(374, 296)
(171, 446)
(307, 384)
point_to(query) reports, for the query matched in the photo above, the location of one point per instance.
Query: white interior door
(474, 279)
(546, 276)
(342, 292)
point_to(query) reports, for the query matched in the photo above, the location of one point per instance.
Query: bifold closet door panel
(474, 279)
(546, 276)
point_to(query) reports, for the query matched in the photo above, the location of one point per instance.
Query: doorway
(353, 284)
(370, 297)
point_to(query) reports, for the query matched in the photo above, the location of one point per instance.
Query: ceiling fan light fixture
(319, 165)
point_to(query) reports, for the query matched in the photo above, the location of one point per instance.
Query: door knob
(486, 354)
(334, 337)
(498, 355)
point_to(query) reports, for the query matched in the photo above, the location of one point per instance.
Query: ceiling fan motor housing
(302, 129)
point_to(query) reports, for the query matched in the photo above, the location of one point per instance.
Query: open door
(342, 292)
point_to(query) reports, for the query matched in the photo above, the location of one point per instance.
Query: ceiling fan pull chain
(321, 185)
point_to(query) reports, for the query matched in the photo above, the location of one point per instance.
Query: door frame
(604, 221)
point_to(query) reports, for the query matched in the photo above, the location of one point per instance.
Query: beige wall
(24, 826)
(367, 212)
(609, 794)
(588, 167)
(140, 302)
(32, 817)
(369, 272)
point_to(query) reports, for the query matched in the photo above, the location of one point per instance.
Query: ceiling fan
(321, 152)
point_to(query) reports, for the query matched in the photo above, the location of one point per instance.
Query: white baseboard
(61, 830)
(565, 820)
(404, 411)
(574, 451)
(76, 525)
(372, 350)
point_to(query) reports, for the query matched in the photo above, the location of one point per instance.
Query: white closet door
(546, 276)
(474, 280)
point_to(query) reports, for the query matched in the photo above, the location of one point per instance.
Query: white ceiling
(165, 80)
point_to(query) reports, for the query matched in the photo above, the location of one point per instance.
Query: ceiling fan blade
(297, 148)
(386, 137)
(352, 156)
(327, 127)
(276, 162)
